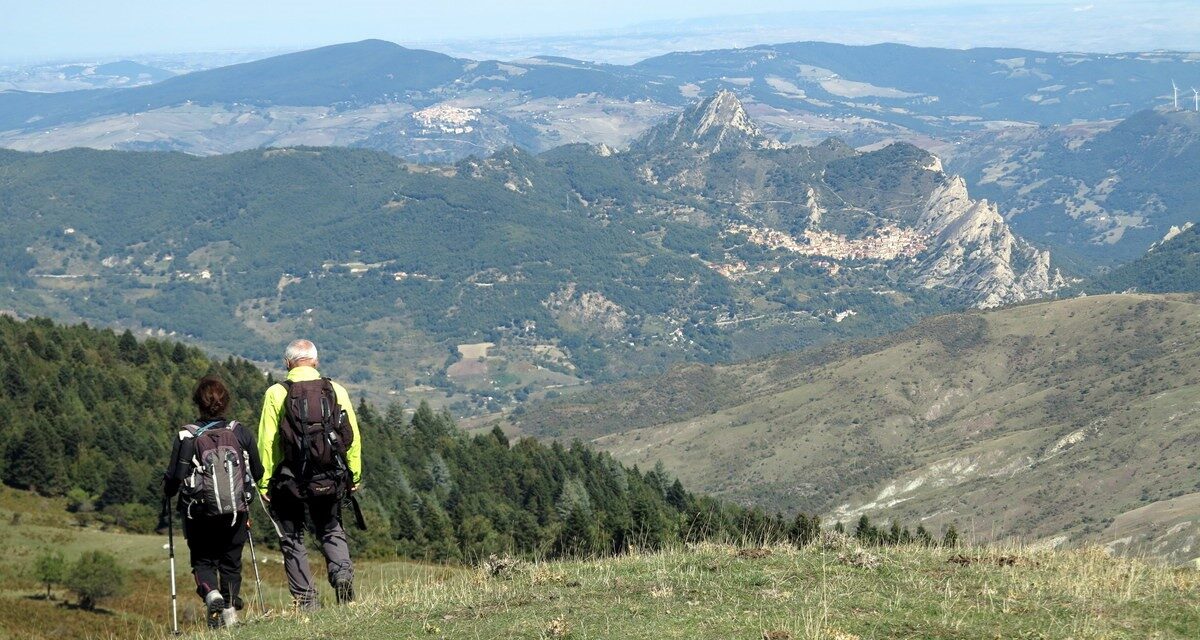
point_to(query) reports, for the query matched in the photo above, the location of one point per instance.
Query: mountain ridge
(805, 92)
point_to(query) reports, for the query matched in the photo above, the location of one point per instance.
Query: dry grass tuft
(557, 628)
(496, 566)
(860, 558)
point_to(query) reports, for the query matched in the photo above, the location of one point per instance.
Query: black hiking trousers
(215, 544)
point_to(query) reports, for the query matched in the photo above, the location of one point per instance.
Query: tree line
(89, 414)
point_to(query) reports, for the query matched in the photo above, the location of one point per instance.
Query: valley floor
(778, 593)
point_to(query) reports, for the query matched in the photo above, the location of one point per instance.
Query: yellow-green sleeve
(270, 449)
(354, 453)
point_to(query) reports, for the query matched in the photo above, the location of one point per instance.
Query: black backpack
(316, 436)
(220, 479)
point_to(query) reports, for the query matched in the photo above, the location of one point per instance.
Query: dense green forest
(90, 414)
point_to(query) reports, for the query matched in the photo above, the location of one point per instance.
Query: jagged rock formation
(718, 123)
(896, 207)
(976, 252)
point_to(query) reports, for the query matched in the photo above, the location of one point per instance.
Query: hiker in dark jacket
(214, 540)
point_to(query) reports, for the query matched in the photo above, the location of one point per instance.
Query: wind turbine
(1196, 99)
(1175, 87)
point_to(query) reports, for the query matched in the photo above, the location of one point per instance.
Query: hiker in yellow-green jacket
(309, 443)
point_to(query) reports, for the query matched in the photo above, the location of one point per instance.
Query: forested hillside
(500, 278)
(1098, 194)
(1169, 266)
(90, 414)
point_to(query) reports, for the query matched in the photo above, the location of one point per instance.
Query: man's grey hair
(300, 350)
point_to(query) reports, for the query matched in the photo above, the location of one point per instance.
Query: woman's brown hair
(211, 397)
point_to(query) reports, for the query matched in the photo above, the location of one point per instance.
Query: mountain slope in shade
(1171, 265)
(1054, 421)
(1099, 193)
(361, 72)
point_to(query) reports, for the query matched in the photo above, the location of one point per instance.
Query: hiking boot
(344, 587)
(229, 617)
(307, 604)
(215, 603)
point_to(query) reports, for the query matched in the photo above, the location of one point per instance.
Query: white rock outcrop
(975, 252)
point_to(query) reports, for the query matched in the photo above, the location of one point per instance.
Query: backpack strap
(211, 425)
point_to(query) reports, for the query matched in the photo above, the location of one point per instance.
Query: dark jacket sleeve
(246, 439)
(180, 465)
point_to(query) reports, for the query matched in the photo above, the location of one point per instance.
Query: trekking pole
(171, 547)
(262, 608)
(267, 511)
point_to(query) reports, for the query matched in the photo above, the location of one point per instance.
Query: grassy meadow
(837, 591)
(31, 525)
(831, 590)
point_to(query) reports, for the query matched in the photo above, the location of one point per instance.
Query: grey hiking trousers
(288, 513)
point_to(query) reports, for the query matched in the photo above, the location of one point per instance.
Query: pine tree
(649, 529)
(179, 355)
(578, 535)
(406, 528)
(923, 538)
(36, 462)
(950, 539)
(862, 530)
(803, 531)
(894, 533)
(839, 527)
(425, 421)
(574, 497)
(442, 545)
(677, 497)
(118, 489)
(129, 350)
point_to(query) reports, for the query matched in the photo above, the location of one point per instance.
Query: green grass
(708, 591)
(723, 592)
(31, 525)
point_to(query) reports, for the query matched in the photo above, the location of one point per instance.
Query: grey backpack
(220, 479)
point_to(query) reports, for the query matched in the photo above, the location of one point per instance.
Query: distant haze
(613, 30)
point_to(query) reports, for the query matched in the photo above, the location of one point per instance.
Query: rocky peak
(717, 123)
(977, 254)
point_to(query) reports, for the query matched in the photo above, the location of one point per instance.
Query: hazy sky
(57, 29)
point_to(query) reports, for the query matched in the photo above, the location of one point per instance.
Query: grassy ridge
(1038, 421)
(706, 591)
(717, 591)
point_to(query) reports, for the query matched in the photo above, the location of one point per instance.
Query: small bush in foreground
(95, 576)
